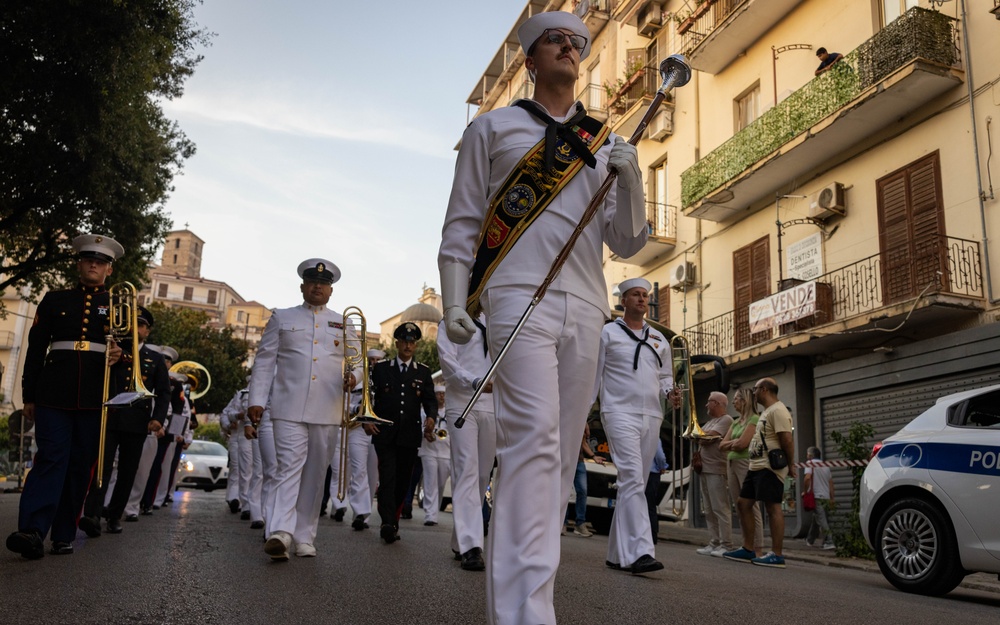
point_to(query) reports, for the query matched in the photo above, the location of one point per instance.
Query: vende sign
(785, 307)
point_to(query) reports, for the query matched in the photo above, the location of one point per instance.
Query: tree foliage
(219, 351)
(425, 352)
(854, 446)
(84, 143)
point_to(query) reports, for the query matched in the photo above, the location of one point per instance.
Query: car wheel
(916, 548)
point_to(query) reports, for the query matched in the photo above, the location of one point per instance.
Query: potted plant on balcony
(684, 21)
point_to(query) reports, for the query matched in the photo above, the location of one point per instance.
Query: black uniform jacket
(153, 371)
(398, 398)
(65, 378)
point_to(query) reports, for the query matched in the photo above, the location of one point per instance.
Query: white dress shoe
(305, 550)
(277, 545)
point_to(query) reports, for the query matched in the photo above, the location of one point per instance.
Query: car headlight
(189, 465)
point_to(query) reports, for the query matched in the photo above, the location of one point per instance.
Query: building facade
(831, 231)
(14, 326)
(426, 313)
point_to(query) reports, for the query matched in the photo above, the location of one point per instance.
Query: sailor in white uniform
(435, 455)
(544, 385)
(634, 373)
(231, 423)
(300, 365)
(362, 458)
(474, 445)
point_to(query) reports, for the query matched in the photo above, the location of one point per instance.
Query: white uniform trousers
(256, 482)
(141, 475)
(543, 394)
(633, 441)
(473, 449)
(336, 502)
(436, 472)
(245, 449)
(303, 451)
(233, 483)
(364, 471)
(161, 488)
(269, 468)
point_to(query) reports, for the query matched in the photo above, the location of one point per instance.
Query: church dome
(421, 312)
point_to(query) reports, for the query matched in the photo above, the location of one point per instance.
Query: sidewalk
(796, 549)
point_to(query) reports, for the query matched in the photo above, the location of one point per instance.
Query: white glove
(624, 159)
(454, 291)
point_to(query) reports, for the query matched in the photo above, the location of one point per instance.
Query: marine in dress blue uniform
(62, 388)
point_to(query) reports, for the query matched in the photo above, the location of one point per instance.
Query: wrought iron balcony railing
(917, 34)
(662, 220)
(696, 28)
(642, 84)
(946, 265)
(594, 97)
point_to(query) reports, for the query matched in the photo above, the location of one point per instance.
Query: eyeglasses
(558, 37)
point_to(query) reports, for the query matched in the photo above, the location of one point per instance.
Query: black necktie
(564, 130)
(641, 342)
(482, 328)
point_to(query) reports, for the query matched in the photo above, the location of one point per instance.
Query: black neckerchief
(564, 130)
(482, 328)
(641, 342)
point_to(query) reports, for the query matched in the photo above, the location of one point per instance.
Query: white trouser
(245, 449)
(303, 452)
(543, 394)
(364, 471)
(633, 440)
(473, 449)
(256, 482)
(233, 483)
(141, 475)
(336, 502)
(436, 471)
(164, 484)
(269, 468)
(718, 510)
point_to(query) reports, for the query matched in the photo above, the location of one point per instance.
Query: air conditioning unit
(650, 20)
(662, 124)
(682, 275)
(828, 202)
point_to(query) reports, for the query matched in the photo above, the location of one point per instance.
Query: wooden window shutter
(751, 282)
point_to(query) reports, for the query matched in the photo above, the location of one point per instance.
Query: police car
(931, 492)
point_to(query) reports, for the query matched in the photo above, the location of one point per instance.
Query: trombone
(124, 321)
(355, 355)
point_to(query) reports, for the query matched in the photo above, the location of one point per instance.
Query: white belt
(79, 346)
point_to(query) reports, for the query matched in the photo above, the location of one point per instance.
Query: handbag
(777, 459)
(696, 463)
(808, 501)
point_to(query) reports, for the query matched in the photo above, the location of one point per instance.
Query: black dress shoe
(114, 526)
(359, 523)
(472, 560)
(257, 525)
(646, 564)
(234, 505)
(430, 523)
(406, 515)
(245, 515)
(28, 544)
(388, 534)
(168, 499)
(338, 516)
(458, 556)
(61, 548)
(91, 526)
(145, 511)
(131, 518)
(613, 566)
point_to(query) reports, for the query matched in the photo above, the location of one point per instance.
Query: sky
(327, 128)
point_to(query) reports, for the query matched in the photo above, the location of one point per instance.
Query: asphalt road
(196, 563)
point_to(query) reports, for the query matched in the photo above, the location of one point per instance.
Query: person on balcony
(826, 60)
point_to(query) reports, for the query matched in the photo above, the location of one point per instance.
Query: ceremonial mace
(674, 72)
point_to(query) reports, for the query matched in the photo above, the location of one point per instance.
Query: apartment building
(831, 231)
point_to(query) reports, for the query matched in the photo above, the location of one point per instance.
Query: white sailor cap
(177, 376)
(154, 348)
(632, 283)
(376, 353)
(97, 246)
(169, 352)
(320, 270)
(439, 389)
(529, 32)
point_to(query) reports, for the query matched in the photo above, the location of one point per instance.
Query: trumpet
(197, 375)
(441, 433)
(123, 318)
(353, 356)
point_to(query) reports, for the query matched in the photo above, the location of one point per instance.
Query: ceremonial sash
(529, 188)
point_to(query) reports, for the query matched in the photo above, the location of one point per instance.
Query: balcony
(661, 220)
(523, 91)
(718, 31)
(861, 299)
(594, 99)
(6, 340)
(629, 103)
(594, 13)
(873, 88)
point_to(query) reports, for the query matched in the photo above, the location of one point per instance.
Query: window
(978, 412)
(162, 290)
(891, 9)
(659, 310)
(594, 96)
(177, 244)
(747, 107)
(240, 316)
(212, 296)
(175, 259)
(188, 293)
(751, 282)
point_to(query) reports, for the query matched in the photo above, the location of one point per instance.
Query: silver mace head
(674, 72)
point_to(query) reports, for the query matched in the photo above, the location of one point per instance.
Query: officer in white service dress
(546, 380)
(474, 445)
(299, 364)
(634, 372)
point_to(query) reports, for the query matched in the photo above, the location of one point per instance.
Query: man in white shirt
(634, 373)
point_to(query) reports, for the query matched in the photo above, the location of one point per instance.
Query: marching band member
(150, 469)
(435, 454)
(634, 372)
(62, 386)
(361, 457)
(473, 446)
(231, 422)
(302, 357)
(512, 208)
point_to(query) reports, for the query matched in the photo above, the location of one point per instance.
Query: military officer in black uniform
(62, 388)
(128, 427)
(401, 386)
